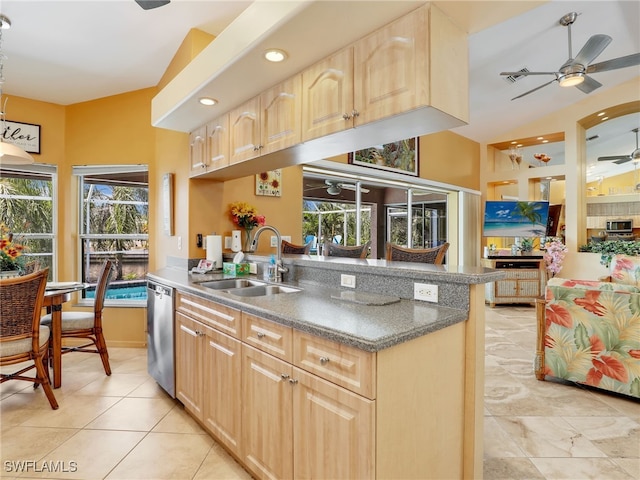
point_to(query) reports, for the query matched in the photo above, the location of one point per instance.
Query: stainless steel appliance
(160, 336)
(619, 226)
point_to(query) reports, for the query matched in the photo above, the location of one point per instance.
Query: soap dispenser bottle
(271, 272)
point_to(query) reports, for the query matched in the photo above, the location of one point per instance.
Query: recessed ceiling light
(519, 145)
(513, 143)
(601, 113)
(207, 101)
(275, 55)
(545, 141)
(604, 118)
(540, 138)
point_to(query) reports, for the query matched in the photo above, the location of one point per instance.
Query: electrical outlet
(286, 238)
(253, 268)
(348, 281)
(227, 242)
(426, 292)
(179, 243)
(274, 241)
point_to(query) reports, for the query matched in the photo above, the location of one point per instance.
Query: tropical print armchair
(589, 333)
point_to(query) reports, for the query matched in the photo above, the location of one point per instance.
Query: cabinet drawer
(343, 365)
(268, 336)
(225, 319)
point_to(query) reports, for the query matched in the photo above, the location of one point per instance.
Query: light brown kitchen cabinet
(267, 123)
(212, 152)
(197, 150)
(222, 383)
(267, 420)
(333, 430)
(327, 95)
(189, 365)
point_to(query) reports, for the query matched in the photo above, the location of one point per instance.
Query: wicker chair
(334, 250)
(88, 325)
(292, 248)
(22, 337)
(434, 255)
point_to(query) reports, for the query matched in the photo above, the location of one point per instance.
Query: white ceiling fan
(573, 73)
(335, 187)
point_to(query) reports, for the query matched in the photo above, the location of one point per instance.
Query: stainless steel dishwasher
(160, 336)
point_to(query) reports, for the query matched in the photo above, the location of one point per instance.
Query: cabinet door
(188, 345)
(327, 95)
(334, 431)
(390, 68)
(267, 433)
(222, 375)
(218, 143)
(244, 128)
(197, 151)
(281, 116)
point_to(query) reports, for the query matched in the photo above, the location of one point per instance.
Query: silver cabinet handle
(346, 116)
(293, 381)
(355, 113)
(324, 360)
(260, 335)
(284, 376)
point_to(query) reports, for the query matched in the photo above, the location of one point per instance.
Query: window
(27, 208)
(334, 222)
(114, 213)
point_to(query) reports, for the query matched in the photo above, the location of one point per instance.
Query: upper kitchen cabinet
(267, 123)
(209, 147)
(327, 98)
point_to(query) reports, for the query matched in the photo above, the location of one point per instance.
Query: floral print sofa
(589, 331)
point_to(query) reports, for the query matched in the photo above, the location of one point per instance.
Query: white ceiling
(72, 51)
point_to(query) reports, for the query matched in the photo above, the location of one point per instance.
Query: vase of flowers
(554, 252)
(245, 216)
(10, 253)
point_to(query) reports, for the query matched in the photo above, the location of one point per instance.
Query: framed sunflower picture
(269, 183)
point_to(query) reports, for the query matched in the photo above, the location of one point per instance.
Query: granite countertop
(327, 312)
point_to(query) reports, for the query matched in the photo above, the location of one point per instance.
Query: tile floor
(126, 427)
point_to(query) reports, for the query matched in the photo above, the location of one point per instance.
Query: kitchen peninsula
(335, 382)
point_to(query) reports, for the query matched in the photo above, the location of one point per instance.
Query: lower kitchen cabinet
(189, 365)
(267, 443)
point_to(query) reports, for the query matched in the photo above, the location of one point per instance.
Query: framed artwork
(400, 157)
(24, 135)
(269, 183)
(167, 203)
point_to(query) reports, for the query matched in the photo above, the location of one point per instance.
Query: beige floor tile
(580, 469)
(140, 414)
(497, 443)
(220, 465)
(548, 437)
(629, 465)
(91, 454)
(30, 443)
(164, 456)
(149, 389)
(115, 385)
(136, 365)
(178, 421)
(615, 436)
(510, 469)
(74, 412)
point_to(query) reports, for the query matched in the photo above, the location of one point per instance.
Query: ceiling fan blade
(594, 47)
(348, 186)
(149, 4)
(615, 63)
(522, 74)
(623, 160)
(614, 157)
(589, 85)
(537, 88)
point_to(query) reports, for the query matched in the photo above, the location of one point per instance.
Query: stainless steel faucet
(280, 268)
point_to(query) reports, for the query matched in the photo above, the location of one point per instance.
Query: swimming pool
(122, 292)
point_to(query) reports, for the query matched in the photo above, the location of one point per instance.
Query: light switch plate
(227, 242)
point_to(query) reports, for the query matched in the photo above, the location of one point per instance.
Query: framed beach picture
(400, 157)
(506, 218)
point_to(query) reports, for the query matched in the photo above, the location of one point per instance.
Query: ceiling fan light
(635, 156)
(571, 79)
(334, 190)
(13, 155)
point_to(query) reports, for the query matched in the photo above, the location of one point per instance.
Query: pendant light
(10, 154)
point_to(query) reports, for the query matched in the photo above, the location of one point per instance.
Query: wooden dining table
(55, 296)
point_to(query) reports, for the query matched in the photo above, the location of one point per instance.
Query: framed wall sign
(400, 157)
(167, 203)
(24, 135)
(269, 183)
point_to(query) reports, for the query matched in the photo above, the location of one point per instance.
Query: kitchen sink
(262, 290)
(227, 283)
